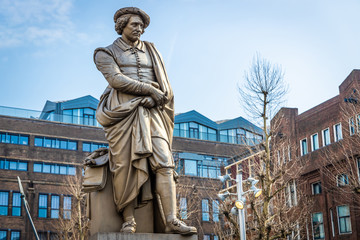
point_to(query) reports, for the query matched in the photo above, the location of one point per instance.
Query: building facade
(324, 141)
(46, 148)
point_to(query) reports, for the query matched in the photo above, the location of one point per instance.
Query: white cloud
(36, 22)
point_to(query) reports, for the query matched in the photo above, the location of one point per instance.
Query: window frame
(324, 138)
(44, 208)
(338, 219)
(352, 126)
(312, 142)
(312, 188)
(337, 137)
(301, 147)
(321, 224)
(338, 182)
(6, 204)
(205, 210)
(183, 208)
(17, 206)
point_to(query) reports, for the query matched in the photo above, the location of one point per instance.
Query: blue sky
(46, 48)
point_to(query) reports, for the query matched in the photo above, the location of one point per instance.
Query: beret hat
(133, 10)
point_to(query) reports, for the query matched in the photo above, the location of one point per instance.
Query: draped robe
(130, 127)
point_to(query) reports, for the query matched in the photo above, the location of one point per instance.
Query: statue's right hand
(158, 96)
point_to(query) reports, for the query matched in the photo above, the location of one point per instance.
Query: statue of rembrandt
(137, 113)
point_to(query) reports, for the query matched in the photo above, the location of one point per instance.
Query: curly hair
(122, 21)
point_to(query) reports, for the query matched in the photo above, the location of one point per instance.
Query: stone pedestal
(103, 216)
(141, 236)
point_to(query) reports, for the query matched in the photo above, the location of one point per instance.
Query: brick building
(324, 141)
(44, 148)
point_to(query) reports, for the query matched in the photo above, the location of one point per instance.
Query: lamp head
(223, 196)
(239, 204)
(234, 211)
(257, 192)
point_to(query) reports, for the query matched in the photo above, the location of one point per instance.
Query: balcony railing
(33, 114)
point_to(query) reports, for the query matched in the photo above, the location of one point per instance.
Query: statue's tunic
(138, 137)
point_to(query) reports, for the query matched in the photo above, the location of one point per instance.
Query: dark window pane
(14, 139)
(86, 147)
(37, 167)
(15, 235)
(46, 168)
(42, 213)
(24, 140)
(72, 145)
(3, 235)
(62, 169)
(72, 170)
(22, 166)
(38, 141)
(13, 165)
(47, 142)
(4, 203)
(63, 144)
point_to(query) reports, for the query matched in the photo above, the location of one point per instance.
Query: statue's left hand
(148, 102)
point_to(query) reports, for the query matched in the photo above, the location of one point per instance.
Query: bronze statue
(137, 113)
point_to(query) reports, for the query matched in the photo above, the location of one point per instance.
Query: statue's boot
(129, 225)
(165, 187)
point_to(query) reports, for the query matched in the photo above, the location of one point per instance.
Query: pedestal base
(141, 236)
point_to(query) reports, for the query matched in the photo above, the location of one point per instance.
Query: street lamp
(240, 202)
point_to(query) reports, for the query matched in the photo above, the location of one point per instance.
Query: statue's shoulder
(104, 51)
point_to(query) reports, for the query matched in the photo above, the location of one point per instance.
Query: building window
(337, 132)
(215, 208)
(43, 203)
(3, 234)
(314, 142)
(42, 235)
(291, 193)
(4, 203)
(351, 126)
(54, 168)
(206, 237)
(316, 188)
(15, 235)
(84, 116)
(16, 204)
(91, 146)
(216, 237)
(344, 219)
(55, 204)
(205, 209)
(67, 207)
(183, 208)
(55, 143)
(342, 180)
(14, 138)
(13, 164)
(192, 164)
(326, 137)
(318, 225)
(303, 147)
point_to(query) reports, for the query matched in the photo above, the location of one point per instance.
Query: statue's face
(133, 29)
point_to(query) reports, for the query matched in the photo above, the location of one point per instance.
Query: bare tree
(277, 214)
(73, 224)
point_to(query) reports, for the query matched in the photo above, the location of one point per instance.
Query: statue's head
(123, 16)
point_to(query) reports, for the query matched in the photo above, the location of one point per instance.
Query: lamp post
(26, 205)
(240, 202)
